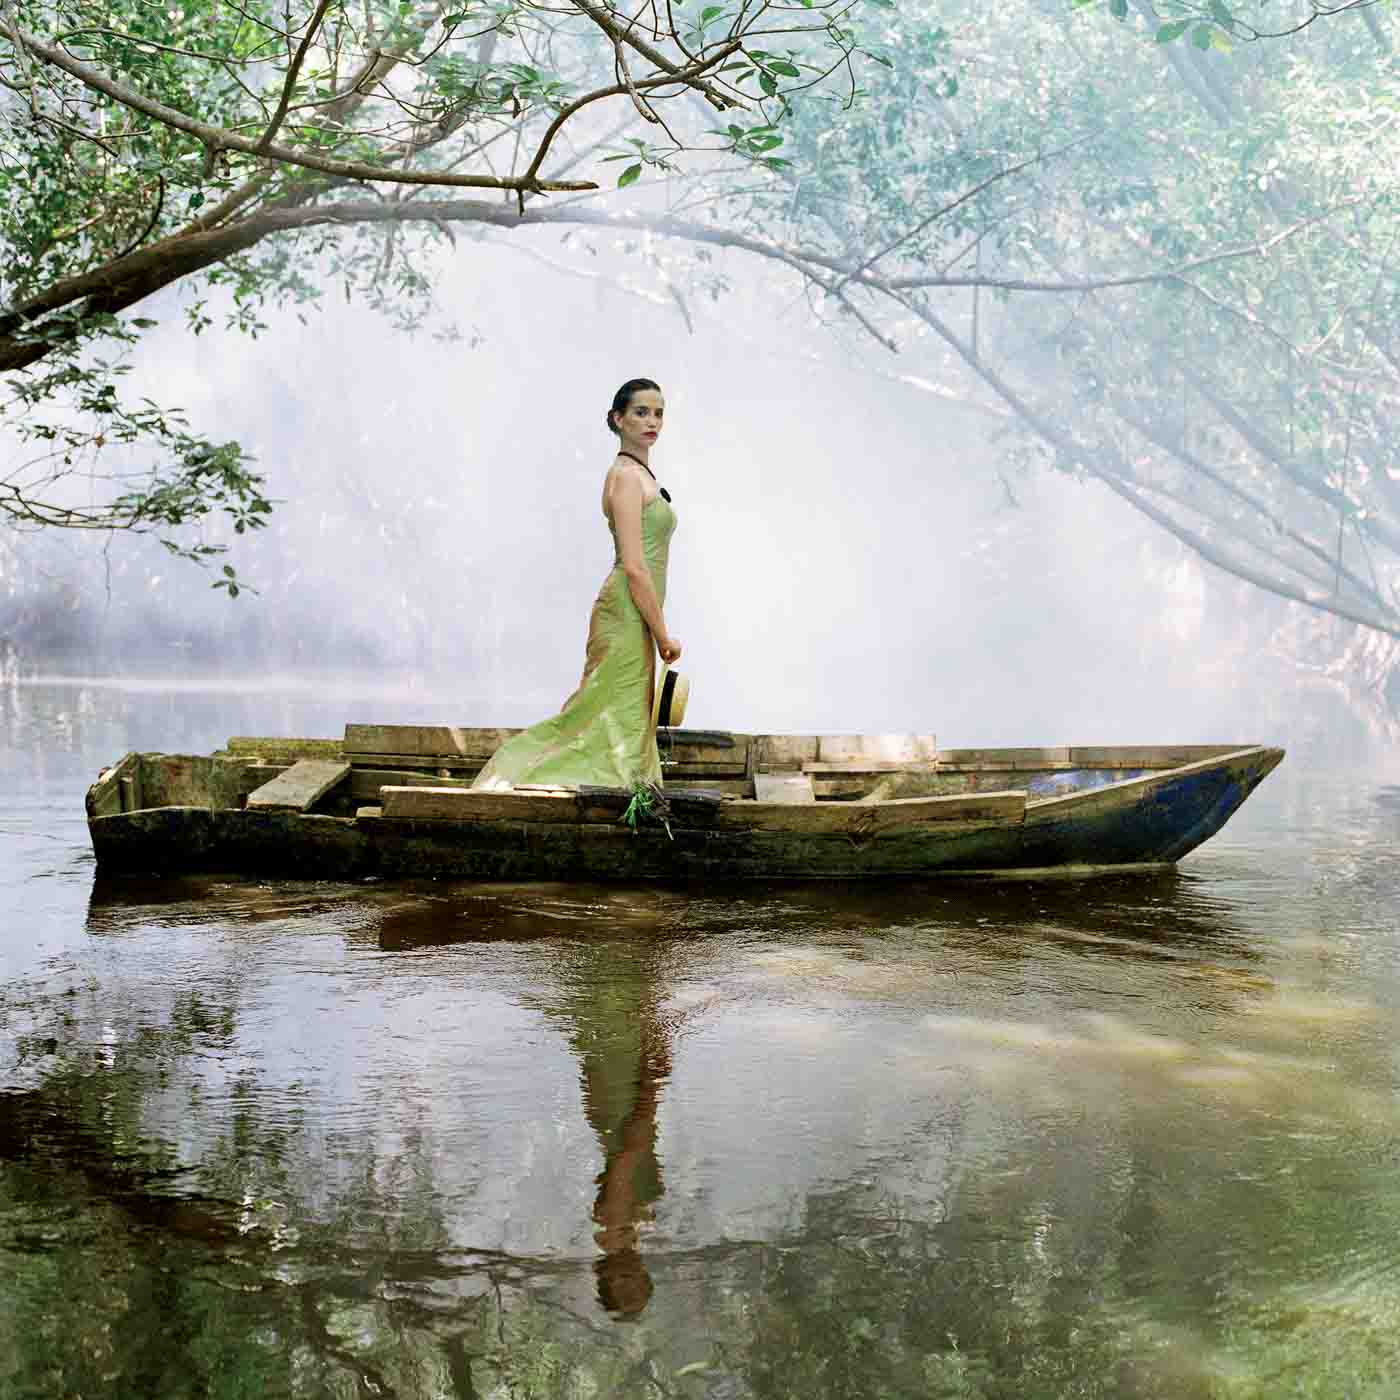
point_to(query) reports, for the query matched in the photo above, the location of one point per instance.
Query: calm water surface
(1118, 1138)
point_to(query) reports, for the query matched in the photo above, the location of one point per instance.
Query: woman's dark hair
(623, 397)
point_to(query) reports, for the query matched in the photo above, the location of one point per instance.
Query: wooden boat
(394, 801)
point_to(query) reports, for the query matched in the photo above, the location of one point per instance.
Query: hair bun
(623, 398)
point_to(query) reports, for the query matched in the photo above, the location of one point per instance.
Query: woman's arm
(627, 500)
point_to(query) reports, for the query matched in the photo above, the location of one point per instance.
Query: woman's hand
(670, 649)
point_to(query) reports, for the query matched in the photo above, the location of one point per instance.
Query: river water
(1119, 1138)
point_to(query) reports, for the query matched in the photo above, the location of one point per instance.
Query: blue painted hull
(1152, 819)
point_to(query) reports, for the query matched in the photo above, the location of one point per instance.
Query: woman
(604, 734)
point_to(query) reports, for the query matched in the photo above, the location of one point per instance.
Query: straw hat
(671, 692)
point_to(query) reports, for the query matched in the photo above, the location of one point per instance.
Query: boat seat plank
(297, 788)
(870, 765)
(879, 748)
(275, 749)
(684, 753)
(424, 740)
(783, 787)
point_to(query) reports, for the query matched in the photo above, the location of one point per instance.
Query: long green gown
(604, 734)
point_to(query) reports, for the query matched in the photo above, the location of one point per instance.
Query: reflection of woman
(604, 733)
(630, 1182)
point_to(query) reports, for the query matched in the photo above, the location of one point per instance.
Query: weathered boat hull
(1148, 821)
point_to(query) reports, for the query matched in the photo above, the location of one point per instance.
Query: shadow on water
(1170, 915)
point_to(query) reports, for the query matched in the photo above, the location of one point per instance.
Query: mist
(852, 555)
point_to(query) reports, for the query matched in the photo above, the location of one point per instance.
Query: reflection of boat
(395, 801)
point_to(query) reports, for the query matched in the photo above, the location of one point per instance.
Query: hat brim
(672, 694)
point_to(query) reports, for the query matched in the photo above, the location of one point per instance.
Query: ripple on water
(1127, 1138)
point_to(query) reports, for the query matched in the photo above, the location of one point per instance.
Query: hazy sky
(846, 557)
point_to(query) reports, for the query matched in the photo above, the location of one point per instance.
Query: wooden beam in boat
(366, 782)
(299, 787)
(878, 748)
(1149, 755)
(462, 804)
(782, 753)
(859, 820)
(273, 750)
(448, 741)
(603, 807)
(868, 765)
(789, 788)
(115, 786)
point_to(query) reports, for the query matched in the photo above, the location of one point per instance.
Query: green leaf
(1200, 36)
(768, 83)
(710, 12)
(783, 68)
(1168, 33)
(629, 176)
(1222, 14)
(1118, 8)
(950, 88)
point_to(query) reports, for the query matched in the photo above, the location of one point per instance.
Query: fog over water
(852, 554)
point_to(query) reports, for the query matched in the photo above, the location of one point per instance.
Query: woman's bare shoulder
(625, 475)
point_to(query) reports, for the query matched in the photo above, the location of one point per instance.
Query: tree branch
(293, 73)
(218, 138)
(1077, 452)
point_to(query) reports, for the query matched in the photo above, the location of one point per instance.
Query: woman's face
(640, 424)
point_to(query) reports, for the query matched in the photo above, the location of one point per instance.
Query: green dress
(604, 734)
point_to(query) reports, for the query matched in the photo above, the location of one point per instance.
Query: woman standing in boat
(605, 734)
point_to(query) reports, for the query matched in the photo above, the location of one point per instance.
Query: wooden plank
(425, 740)
(543, 805)
(885, 748)
(462, 804)
(870, 765)
(129, 785)
(417, 763)
(787, 788)
(859, 820)
(1080, 756)
(1013, 759)
(781, 753)
(273, 749)
(721, 787)
(104, 797)
(603, 807)
(685, 770)
(300, 787)
(366, 782)
(907, 782)
(1150, 756)
(707, 738)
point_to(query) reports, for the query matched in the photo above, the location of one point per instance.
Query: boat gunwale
(1068, 799)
